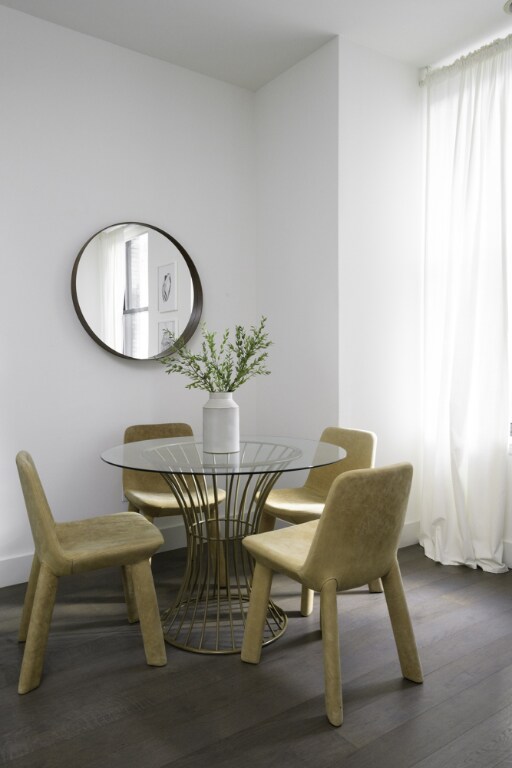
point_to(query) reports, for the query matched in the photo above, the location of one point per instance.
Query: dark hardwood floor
(100, 705)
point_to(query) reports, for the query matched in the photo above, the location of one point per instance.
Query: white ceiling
(249, 42)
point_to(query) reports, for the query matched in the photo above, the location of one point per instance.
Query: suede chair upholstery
(123, 539)
(354, 542)
(148, 492)
(300, 505)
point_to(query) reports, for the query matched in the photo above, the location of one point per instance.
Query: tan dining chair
(299, 505)
(123, 539)
(148, 492)
(354, 541)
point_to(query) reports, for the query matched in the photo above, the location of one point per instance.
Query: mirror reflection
(131, 283)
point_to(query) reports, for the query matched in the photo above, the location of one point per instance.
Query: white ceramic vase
(221, 424)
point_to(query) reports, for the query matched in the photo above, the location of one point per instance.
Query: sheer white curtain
(467, 307)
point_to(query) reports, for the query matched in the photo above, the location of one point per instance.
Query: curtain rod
(481, 54)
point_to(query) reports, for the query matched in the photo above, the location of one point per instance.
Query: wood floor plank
(423, 735)
(487, 744)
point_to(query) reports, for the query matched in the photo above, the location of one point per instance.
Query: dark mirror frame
(197, 306)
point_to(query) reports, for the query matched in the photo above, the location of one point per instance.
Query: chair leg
(306, 601)
(331, 653)
(39, 627)
(150, 624)
(267, 522)
(29, 599)
(257, 614)
(375, 586)
(129, 594)
(402, 627)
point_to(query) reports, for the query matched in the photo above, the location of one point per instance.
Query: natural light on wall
(467, 344)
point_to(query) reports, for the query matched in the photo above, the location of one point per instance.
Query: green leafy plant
(224, 367)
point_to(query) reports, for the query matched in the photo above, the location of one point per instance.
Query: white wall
(380, 293)
(92, 134)
(339, 180)
(247, 183)
(297, 243)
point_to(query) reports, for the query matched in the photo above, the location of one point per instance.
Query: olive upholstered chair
(148, 492)
(299, 505)
(124, 539)
(354, 542)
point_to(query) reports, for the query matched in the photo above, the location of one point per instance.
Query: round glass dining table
(221, 497)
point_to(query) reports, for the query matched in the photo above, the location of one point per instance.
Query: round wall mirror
(131, 283)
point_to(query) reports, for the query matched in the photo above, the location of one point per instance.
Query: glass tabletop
(258, 453)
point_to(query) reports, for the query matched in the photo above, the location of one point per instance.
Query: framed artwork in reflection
(167, 288)
(170, 326)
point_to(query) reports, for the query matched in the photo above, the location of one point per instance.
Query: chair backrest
(358, 534)
(40, 517)
(360, 447)
(151, 482)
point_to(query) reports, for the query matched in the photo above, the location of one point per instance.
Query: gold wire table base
(210, 611)
(215, 626)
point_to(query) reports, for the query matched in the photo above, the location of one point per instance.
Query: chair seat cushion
(284, 550)
(109, 540)
(158, 504)
(296, 505)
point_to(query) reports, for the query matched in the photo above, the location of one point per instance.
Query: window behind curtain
(136, 311)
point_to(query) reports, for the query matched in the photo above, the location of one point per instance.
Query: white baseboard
(410, 534)
(173, 531)
(15, 570)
